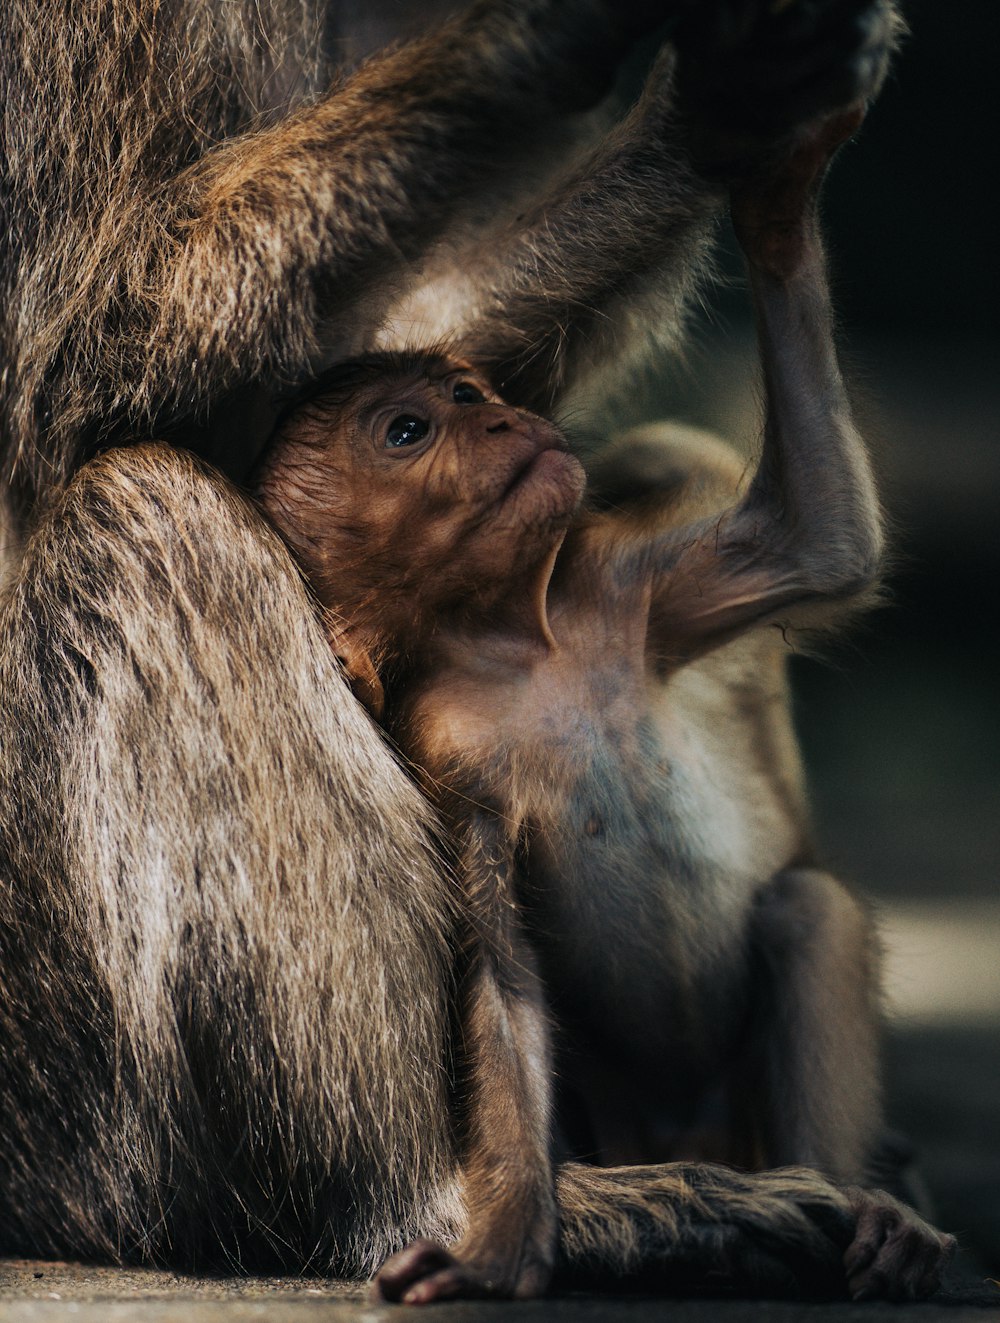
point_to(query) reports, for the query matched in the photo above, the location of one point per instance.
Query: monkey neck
(397, 643)
(516, 609)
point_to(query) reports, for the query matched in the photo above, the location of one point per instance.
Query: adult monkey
(224, 931)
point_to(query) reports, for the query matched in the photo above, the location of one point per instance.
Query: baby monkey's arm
(806, 537)
(509, 1245)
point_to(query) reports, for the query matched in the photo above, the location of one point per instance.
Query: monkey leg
(224, 939)
(509, 1245)
(808, 1088)
(811, 1076)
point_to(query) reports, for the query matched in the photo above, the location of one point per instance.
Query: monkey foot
(895, 1254)
(425, 1271)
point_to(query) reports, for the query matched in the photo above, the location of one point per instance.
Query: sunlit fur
(227, 937)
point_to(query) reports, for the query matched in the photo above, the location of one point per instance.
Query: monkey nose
(498, 419)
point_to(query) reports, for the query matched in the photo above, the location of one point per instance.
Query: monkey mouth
(548, 458)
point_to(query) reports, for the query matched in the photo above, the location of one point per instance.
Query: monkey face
(445, 487)
(466, 464)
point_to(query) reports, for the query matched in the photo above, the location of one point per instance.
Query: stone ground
(903, 735)
(945, 1093)
(46, 1292)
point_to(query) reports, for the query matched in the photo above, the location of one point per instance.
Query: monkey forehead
(347, 381)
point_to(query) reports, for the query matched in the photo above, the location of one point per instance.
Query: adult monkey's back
(223, 935)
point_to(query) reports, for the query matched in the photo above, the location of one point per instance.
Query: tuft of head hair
(326, 393)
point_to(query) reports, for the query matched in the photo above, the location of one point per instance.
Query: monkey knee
(663, 460)
(801, 909)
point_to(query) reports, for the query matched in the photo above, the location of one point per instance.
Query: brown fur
(197, 209)
(227, 944)
(526, 658)
(199, 202)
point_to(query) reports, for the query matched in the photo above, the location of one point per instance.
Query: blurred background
(901, 721)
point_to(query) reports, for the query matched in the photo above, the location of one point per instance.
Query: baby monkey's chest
(589, 798)
(597, 810)
(612, 879)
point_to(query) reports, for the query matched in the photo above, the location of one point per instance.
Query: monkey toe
(450, 1283)
(895, 1254)
(417, 1262)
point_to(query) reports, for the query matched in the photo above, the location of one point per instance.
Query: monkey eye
(465, 393)
(406, 430)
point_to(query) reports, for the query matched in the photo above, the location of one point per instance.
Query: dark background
(901, 721)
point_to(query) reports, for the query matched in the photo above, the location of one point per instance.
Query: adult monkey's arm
(147, 272)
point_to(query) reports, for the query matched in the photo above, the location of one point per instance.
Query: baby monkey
(594, 697)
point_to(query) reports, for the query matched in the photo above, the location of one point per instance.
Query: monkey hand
(895, 1254)
(773, 206)
(426, 1271)
(799, 1235)
(753, 72)
(575, 49)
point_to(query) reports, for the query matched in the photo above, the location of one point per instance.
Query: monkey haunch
(593, 704)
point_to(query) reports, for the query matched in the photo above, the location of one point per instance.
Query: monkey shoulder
(601, 588)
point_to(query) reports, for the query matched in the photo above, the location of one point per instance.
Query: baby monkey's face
(420, 476)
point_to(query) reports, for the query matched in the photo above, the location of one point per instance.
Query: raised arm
(604, 268)
(806, 538)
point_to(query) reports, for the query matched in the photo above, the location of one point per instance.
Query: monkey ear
(359, 668)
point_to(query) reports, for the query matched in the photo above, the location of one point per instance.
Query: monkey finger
(934, 1270)
(418, 1260)
(912, 1259)
(869, 1285)
(426, 1271)
(452, 1283)
(858, 1256)
(896, 1255)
